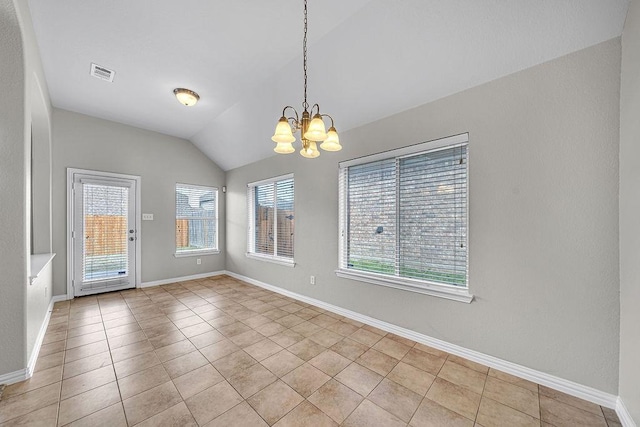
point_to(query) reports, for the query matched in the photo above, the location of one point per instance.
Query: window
(403, 218)
(271, 220)
(196, 220)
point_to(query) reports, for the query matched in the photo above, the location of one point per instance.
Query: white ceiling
(368, 59)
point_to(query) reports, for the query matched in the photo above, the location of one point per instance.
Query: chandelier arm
(294, 121)
(330, 118)
(284, 111)
(317, 107)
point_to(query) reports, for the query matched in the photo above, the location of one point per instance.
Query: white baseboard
(578, 390)
(13, 377)
(43, 329)
(181, 279)
(623, 414)
(26, 373)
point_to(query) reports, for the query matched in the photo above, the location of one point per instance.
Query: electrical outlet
(198, 261)
(312, 280)
(147, 217)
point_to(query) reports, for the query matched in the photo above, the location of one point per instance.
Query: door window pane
(105, 253)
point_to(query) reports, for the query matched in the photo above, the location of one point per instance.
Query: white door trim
(138, 222)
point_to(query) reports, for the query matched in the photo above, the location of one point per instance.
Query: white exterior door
(104, 233)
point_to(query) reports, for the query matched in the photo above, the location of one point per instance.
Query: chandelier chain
(305, 104)
(311, 126)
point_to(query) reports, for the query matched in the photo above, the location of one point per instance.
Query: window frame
(251, 217)
(197, 252)
(451, 292)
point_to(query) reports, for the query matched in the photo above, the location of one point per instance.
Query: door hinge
(73, 234)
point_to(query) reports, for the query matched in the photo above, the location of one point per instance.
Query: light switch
(147, 217)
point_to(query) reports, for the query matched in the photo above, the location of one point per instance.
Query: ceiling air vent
(102, 73)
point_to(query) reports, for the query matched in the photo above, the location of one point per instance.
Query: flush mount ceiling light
(312, 129)
(186, 97)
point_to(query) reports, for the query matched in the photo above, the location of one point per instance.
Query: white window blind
(271, 222)
(196, 219)
(105, 252)
(404, 215)
(372, 217)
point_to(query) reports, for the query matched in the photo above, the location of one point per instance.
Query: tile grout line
(258, 362)
(214, 328)
(113, 365)
(64, 359)
(539, 403)
(484, 385)
(110, 357)
(156, 355)
(60, 400)
(233, 298)
(509, 406)
(187, 339)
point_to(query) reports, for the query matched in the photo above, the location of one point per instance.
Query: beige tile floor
(220, 352)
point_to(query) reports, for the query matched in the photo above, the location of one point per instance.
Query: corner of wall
(629, 375)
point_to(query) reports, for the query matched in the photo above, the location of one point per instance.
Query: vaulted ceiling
(368, 59)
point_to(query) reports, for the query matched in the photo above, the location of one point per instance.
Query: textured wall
(85, 142)
(37, 172)
(40, 170)
(630, 213)
(543, 206)
(13, 192)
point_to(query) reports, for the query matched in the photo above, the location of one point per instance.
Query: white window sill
(287, 262)
(447, 292)
(38, 263)
(196, 253)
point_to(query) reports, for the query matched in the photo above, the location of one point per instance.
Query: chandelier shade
(310, 152)
(332, 143)
(283, 132)
(284, 148)
(316, 130)
(311, 127)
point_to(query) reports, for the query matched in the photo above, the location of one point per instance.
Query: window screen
(196, 218)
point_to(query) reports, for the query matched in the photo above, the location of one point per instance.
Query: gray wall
(543, 159)
(24, 105)
(37, 174)
(89, 143)
(630, 213)
(13, 192)
(40, 170)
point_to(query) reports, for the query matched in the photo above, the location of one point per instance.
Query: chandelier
(311, 126)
